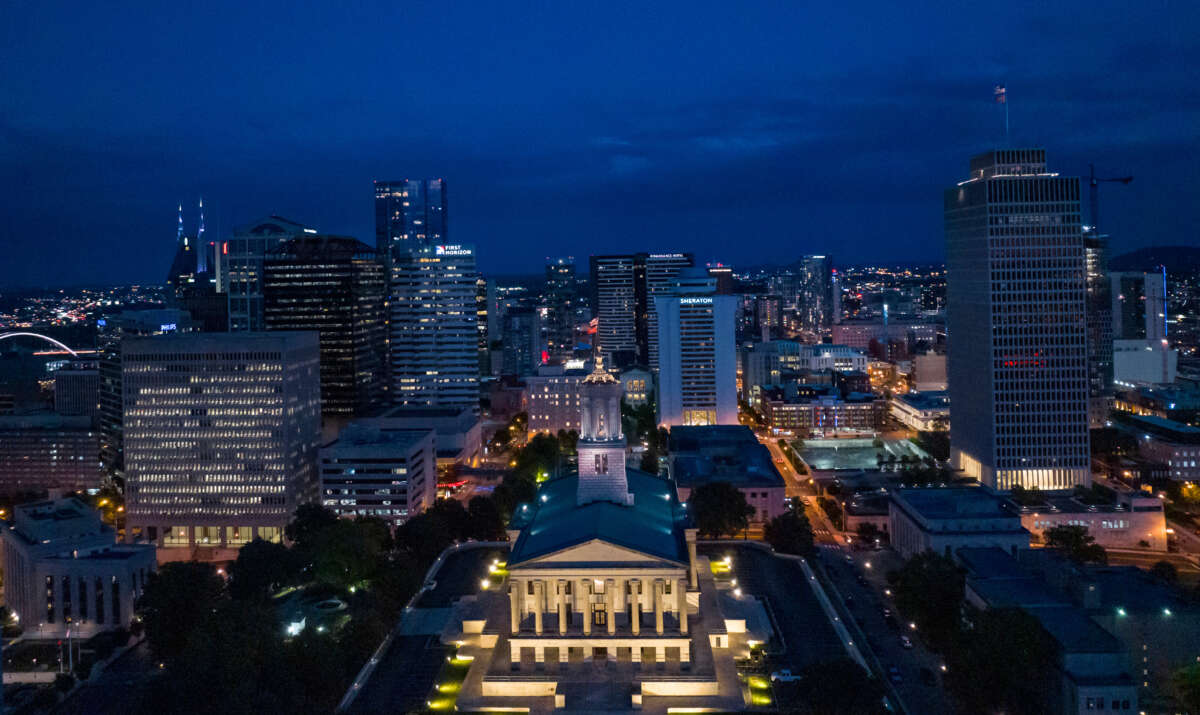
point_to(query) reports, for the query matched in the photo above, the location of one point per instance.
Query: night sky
(746, 132)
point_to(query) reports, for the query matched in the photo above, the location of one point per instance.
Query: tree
(261, 568)
(1075, 543)
(1187, 686)
(869, 532)
(831, 687)
(718, 508)
(486, 521)
(929, 590)
(649, 462)
(348, 552)
(790, 533)
(1165, 571)
(180, 598)
(423, 537)
(305, 527)
(1003, 664)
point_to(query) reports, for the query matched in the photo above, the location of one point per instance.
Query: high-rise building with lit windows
(434, 328)
(241, 267)
(221, 435)
(623, 290)
(409, 214)
(561, 299)
(334, 285)
(697, 378)
(1016, 323)
(815, 302)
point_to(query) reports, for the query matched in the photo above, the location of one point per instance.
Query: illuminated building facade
(434, 328)
(77, 389)
(48, 451)
(1099, 327)
(335, 286)
(242, 266)
(111, 331)
(561, 297)
(552, 397)
(371, 470)
(221, 435)
(603, 569)
(64, 570)
(815, 303)
(623, 290)
(522, 337)
(1016, 330)
(697, 378)
(410, 214)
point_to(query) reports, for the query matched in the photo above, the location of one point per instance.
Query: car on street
(887, 612)
(784, 676)
(894, 674)
(906, 642)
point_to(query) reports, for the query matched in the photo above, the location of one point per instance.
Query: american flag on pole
(1000, 94)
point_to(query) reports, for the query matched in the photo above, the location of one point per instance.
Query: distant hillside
(1177, 259)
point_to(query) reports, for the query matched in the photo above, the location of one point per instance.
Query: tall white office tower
(221, 433)
(1016, 333)
(434, 330)
(697, 355)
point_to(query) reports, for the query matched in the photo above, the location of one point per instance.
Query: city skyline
(797, 122)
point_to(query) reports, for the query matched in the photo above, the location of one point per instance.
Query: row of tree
(221, 640)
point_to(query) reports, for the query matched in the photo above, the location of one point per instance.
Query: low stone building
(63, 569)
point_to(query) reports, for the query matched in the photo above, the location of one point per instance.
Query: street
(117, 690)
(863, 603)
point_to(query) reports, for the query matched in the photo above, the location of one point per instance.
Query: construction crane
(1094, 183)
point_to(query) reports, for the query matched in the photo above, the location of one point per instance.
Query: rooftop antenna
(201, 250)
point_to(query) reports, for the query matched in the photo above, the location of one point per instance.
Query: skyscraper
(335, 286)
(560, 297)
(662, 269)
(522, 341)
(112, 330)
(1099, 328)
(221, 435)
(614, 283)
(243, 267)
(816, 293)
(410, 214)
(1016, 323)
(623, 287)
(697, 379)
(434, 331)
(1139, 305)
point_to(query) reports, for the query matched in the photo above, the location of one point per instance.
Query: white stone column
(514, 604)
(693, 573)
(658, 606)
(635, 608)
(636, 654)
(564, 655)
(685, 652)
(539, 654)
(514, 652)
(586, 595)
(563, 609)
(539, 588)
(610, 597)
(681, 599)
(660, 654)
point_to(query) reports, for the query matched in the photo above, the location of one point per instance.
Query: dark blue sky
(745, 132)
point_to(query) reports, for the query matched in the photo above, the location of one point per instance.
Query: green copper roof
(654, 524)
